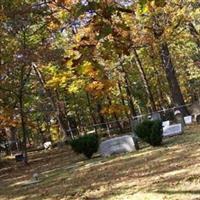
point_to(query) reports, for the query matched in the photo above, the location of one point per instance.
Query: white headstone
(188, 119)
(165, 123)
(47, 145)
(177, 112)
(171, 130)
(117, 145)
(179, 118)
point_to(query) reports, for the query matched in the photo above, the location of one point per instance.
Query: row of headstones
(127, 143)
(174, 129)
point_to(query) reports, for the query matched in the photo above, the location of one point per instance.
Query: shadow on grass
(171, 192)
(149, 168)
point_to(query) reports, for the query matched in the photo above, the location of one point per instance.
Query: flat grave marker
(172, 130)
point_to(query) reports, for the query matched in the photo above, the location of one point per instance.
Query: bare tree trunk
(40, 132)
(144, 80)
(122, 98)
(22, 115)
(62, 123)
(159, 88)
(91, 112)
(175, 90)
(128, 92)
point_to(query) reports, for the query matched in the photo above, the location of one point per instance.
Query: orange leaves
(6, 121)
(100, 88)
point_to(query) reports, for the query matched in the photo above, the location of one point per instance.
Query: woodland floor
(168, 172)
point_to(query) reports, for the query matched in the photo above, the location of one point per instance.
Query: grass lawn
(168, 172)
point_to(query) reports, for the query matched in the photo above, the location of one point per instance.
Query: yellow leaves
(59, 80)
(53, 22)
(72, 55)
(76, 86)
(54, 25)
(89, 70)
(113, 109)
(54, 130)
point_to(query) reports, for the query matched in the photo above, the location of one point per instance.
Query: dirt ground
(170, 172)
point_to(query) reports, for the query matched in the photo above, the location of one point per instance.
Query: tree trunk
(91, 113)
(144, 80)
(62, 123)
(122, 98)
(162, 99)
(195, 34)
(128, 92)
(22, 115)
(101, 117)
(175, 90)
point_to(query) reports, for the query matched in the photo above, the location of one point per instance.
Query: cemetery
(99, 100)
(122, 164)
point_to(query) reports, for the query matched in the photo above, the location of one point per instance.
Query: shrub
(87, 144)
(143, 130)
(150, 132)
(156, 133)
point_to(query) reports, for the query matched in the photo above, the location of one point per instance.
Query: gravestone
(134, 123)
(195, 111)
(179, 119)
(155, 116)
(165, 123)
(172, 130)
(188, 119)
(47, 145)
(117, 145)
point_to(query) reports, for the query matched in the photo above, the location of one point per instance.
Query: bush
(150, 132)
(87, 144)
(156, 133)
